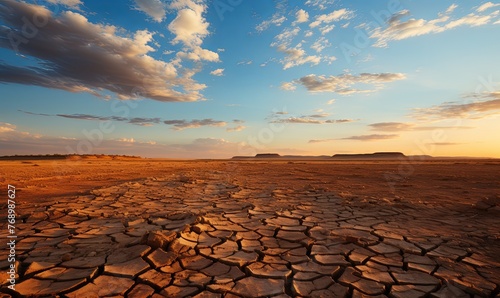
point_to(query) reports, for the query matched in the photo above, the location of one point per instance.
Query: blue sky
(213, 79)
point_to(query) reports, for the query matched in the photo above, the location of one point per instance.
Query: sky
(219, 78)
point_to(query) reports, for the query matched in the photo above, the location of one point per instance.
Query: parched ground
(157, 228)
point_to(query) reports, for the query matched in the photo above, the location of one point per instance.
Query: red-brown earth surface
(172, 228)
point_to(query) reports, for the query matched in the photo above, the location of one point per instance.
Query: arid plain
(102, 227)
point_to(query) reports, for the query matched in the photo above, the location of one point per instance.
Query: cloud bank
(470, 110)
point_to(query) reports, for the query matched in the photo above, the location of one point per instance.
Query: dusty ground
(279, 228)
(460, 182)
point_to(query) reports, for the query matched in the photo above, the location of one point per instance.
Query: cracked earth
(207, 234)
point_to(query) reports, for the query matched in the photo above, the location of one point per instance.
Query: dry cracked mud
(203, 235)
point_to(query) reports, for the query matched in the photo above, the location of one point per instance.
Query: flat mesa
(263, 228)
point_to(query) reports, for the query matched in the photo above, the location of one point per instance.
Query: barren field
(172, 228)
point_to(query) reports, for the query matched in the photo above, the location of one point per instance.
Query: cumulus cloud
(217, 72)
(288, 86)
(301, 16)
(153, 8)
(76, 55)
(397, 29)
(335, 16)
(189, 26)
(297, 56)
(344, 84)
(471, 110)
(184, 124)
(199, 54)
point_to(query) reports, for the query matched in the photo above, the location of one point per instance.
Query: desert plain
(103, 227)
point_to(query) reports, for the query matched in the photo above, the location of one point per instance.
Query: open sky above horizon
(218, 78)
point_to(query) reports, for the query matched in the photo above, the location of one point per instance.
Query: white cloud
(321, 4)
(189, 26)
(326, 29)
(199, 54)
(277, 19)
(329, 59)
(451, 8)
(286, 37)
(297, 56)
(471, 20)
(6, 127)
(125, 140)
(244, 62)
(217, 72)
(288, 86)
(337, 15)
(237, 128)
(487, 6)
(109, 58)
(153, 8)
(320, 44)
(301, 17)
(399, 30)
(346, 83)
(330, 102)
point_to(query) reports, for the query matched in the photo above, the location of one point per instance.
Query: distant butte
(267, 155)
(376, 155)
